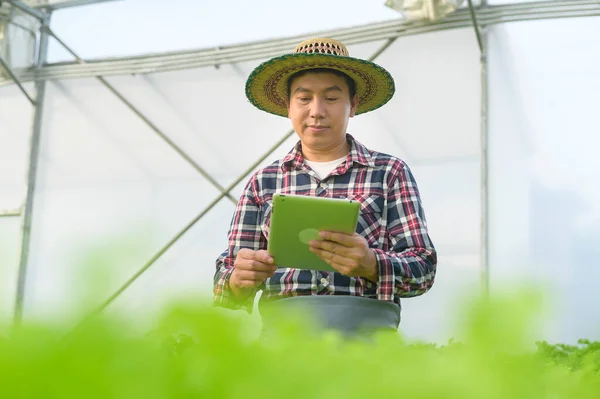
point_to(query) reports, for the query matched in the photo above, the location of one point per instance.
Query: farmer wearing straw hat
(390, 256)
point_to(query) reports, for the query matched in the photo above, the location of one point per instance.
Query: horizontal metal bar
(531, 5)
(487, 15)
(74, 3)
(10, 212)
(27, 9)
(182, 61)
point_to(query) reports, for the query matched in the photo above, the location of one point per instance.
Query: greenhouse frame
(109, 161)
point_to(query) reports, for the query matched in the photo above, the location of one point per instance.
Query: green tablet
(298, 219)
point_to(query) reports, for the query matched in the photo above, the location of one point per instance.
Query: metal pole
(475, 24)
(484, 234)
(481, 34)
(27, 212)
(152, 126)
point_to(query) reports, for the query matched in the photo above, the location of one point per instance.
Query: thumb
(263, 256)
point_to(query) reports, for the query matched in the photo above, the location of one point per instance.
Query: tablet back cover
(297, 219)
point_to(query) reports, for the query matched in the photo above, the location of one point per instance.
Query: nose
(317, 108)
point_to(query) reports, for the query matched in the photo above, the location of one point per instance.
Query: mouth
(317, 128)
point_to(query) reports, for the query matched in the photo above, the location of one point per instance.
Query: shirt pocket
(370, 220)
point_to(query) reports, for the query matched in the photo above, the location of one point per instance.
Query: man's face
(319, 108)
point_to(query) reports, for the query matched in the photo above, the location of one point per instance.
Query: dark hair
(348, 79)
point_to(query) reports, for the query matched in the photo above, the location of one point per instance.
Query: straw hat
(266, 87)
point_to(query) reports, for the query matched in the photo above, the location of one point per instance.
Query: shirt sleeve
(244, 232)
(408, 268)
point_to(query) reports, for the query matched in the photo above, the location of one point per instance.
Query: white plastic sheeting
(16, 120)
(154, 26)
(545, 126)
(106, 180)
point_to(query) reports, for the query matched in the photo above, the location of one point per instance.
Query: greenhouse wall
(110, 192)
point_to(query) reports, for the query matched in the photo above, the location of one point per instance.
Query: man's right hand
(250, 269)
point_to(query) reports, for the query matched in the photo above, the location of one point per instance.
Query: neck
(326, 154)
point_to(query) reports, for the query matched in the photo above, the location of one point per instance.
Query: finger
(245, 253)
(340, 238)
(260, 266)
(263, 256)
(338, 261)
(341, 265)
(260, 255)
(240, 280)
(254, 265)
(329, 246)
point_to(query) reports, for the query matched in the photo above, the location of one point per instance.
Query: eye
(331, 98)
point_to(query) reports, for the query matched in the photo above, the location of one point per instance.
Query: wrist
(239, 293)
(372, 266)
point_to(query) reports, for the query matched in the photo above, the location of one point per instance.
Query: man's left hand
(348, 254)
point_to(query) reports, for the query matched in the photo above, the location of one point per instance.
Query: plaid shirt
(391, 219)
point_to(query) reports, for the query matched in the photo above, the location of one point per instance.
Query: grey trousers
(351, 316)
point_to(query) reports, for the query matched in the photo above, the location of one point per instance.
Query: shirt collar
(359, 154)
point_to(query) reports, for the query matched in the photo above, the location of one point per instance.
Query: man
(391, 256)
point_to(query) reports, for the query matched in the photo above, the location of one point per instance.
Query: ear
(353, 105)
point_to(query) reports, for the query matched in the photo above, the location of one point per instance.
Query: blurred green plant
(213, 359)
(584, 356)
(200, 351)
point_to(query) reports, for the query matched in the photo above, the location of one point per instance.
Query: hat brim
(266, 87)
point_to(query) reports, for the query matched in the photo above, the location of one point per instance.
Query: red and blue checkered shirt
(391, 219)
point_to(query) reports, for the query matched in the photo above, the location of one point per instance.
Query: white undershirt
(323, 169)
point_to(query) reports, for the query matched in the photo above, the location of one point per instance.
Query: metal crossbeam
(487, 15)
(237, 181)
(10, 213)
(148, 122)
(27, 9)
(12, 75)
(59, 5)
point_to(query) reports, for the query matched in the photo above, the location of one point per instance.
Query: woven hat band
(322, 46)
